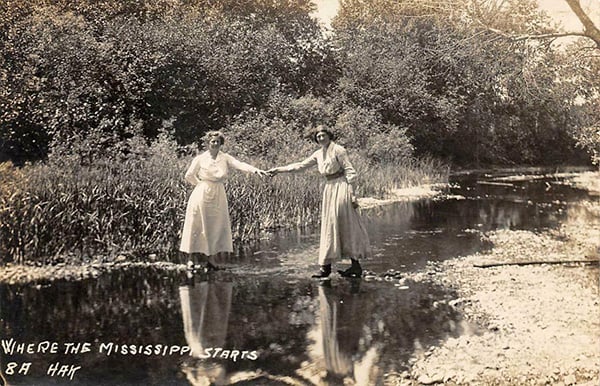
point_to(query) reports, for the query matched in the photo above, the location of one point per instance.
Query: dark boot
(210, 267)
(324, 272)
(355, 270)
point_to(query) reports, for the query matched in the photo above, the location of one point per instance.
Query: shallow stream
(264, 320)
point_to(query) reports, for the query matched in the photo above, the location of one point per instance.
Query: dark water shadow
(300, 330)
(266, 305)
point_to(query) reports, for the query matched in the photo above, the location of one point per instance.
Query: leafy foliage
(462, 93)
(119, 69)
(112, 70)
(283, 130)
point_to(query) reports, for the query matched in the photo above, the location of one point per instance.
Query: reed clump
(380, 179)
(135, 206)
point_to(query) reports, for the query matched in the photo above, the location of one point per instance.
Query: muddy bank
(405, 194)
(43, 274)
(540, 324)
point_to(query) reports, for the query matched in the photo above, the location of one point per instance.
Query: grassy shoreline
(67, 213)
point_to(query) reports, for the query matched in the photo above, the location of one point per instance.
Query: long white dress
(343, 233)
(205, 311)
(207, 228)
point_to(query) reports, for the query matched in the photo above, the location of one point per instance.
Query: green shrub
(136, 206)
(391, 147)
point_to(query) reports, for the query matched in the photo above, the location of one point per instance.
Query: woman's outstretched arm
(243, 166)
(295, 167)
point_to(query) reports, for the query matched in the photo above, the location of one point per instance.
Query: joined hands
(267, 173)
(271, 172)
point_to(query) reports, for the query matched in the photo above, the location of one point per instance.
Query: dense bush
(112, 70)
(463, 92)
(282, 130)
(123, 69)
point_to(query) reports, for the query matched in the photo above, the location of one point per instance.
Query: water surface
(263, 320)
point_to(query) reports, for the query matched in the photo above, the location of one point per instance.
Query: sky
(326, 10)
(557, 9)
(560, 12)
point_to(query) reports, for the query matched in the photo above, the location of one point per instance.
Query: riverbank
(71, 269)
(44, 274)
(538, 324)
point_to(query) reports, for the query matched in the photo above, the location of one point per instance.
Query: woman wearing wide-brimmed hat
(343, 233)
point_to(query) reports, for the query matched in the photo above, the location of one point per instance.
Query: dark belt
(338, 174)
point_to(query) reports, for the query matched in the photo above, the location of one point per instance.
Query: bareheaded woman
(343, 233)
(207, 227)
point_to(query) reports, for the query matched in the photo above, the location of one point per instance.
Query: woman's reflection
(205, 307)
(342, 337)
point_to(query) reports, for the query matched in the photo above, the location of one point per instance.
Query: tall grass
(136, 206)
(379, 180)
(105, 209)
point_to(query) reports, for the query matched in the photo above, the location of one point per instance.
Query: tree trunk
(589, 28)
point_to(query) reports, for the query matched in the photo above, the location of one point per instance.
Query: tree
(590, 30)
(117, 69)
(485, 14)
(463, 93)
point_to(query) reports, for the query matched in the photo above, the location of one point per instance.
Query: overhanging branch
(590, 30)
(552, 35)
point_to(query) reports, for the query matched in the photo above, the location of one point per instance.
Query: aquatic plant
(378, 180)
(134, 207)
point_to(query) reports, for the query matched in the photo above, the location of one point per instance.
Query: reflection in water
(408, 235)
(339, 353)
(303, 333)
(205, 308)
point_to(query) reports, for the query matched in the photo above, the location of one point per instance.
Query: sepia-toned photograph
(299, 192)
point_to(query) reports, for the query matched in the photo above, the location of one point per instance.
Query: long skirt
(341, 319)
(343, 233)
(207, 228)
(205, 310)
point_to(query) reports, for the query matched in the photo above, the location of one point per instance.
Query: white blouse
(334, 159)
(205, 168)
